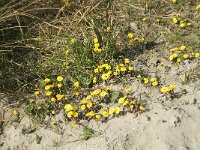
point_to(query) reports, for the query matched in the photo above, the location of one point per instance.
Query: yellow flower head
(111, 111)
(36, 93)
(146, 80)
(127, 90)
(197, 7)
(88, 97)
(89, 105)
(117, 110)
(53, 100)
(125, 103)
(130, 68)
(165, 89)
(172, 86)
(47, 80)
(123, 69)
(182, 47)
(68, 107)
(59, 96)
(47, 87)
(105, 114)
(121, 100)
(83, 107)
(139, 76)
(96, 92)
(70, 114)
(173, 49)
(95, 40)
(59, 78)
(59, 85)
(144, 19)
(130, 35)
(90, 114)
(103, 93)
(96, 70)
(48, 93)
(196, 55)
(76, 84)
(94, 80)
(153, 79)
(67, 52)
(185, 56)
(15, 112)
(142, 108)
(155, 83)
(53, 112)
(75, 114)
(182, 25)
(97, 116)
(175, 20)
(105, 76)
(126, 61)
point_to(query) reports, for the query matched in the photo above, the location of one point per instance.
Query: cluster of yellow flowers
(145, 80)
(97, 48)
(167, 89)
(132, 38)
(181, 52)
(181, 22)
(104, 71)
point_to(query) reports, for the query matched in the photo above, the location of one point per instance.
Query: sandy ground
(165, 125)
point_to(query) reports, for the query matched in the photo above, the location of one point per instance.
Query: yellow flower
(96, 92)
(132, 102)
(141, 40)
(178, 60)
(52, 122)
(117, 110)
(155, 83)
(108, 29)
(90, 114)
(189, 24)
(47, 80)
(103, 93)
(83, 107)
(139, 76)
(173, 1)
(15, 112)
(94, 80)
(59, 96)
(88, 97)
(59, 78)
(76, 84)
(36, 93)
(123, 69)
(59, 85)
(144, 19)
(97, 116)
(105, 76)
(125, 103)
(164, 89)
(105, 114)
(153, 79)
(70, 114)
(73, 40)
(185, 56)
(174, 20)
(111, 111)
(68, 107)
(75, 114)
(172, 86)
(96, 45)
(53, 112)
(173, 49)
(96, 70)
(95, 40)
(130, 68)
(197, 7)
(182, 25)
(48, 93)
(47, 87)
(130, 35)
(67, 52)
(127, 90)
(53, 100)
(89, 105)
(182, 47)
(121, 100)
(196, 55)
(146, 80)
(142, 108)
(126, 61)
(74, 124)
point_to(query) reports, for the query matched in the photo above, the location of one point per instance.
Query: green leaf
(114, 96)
